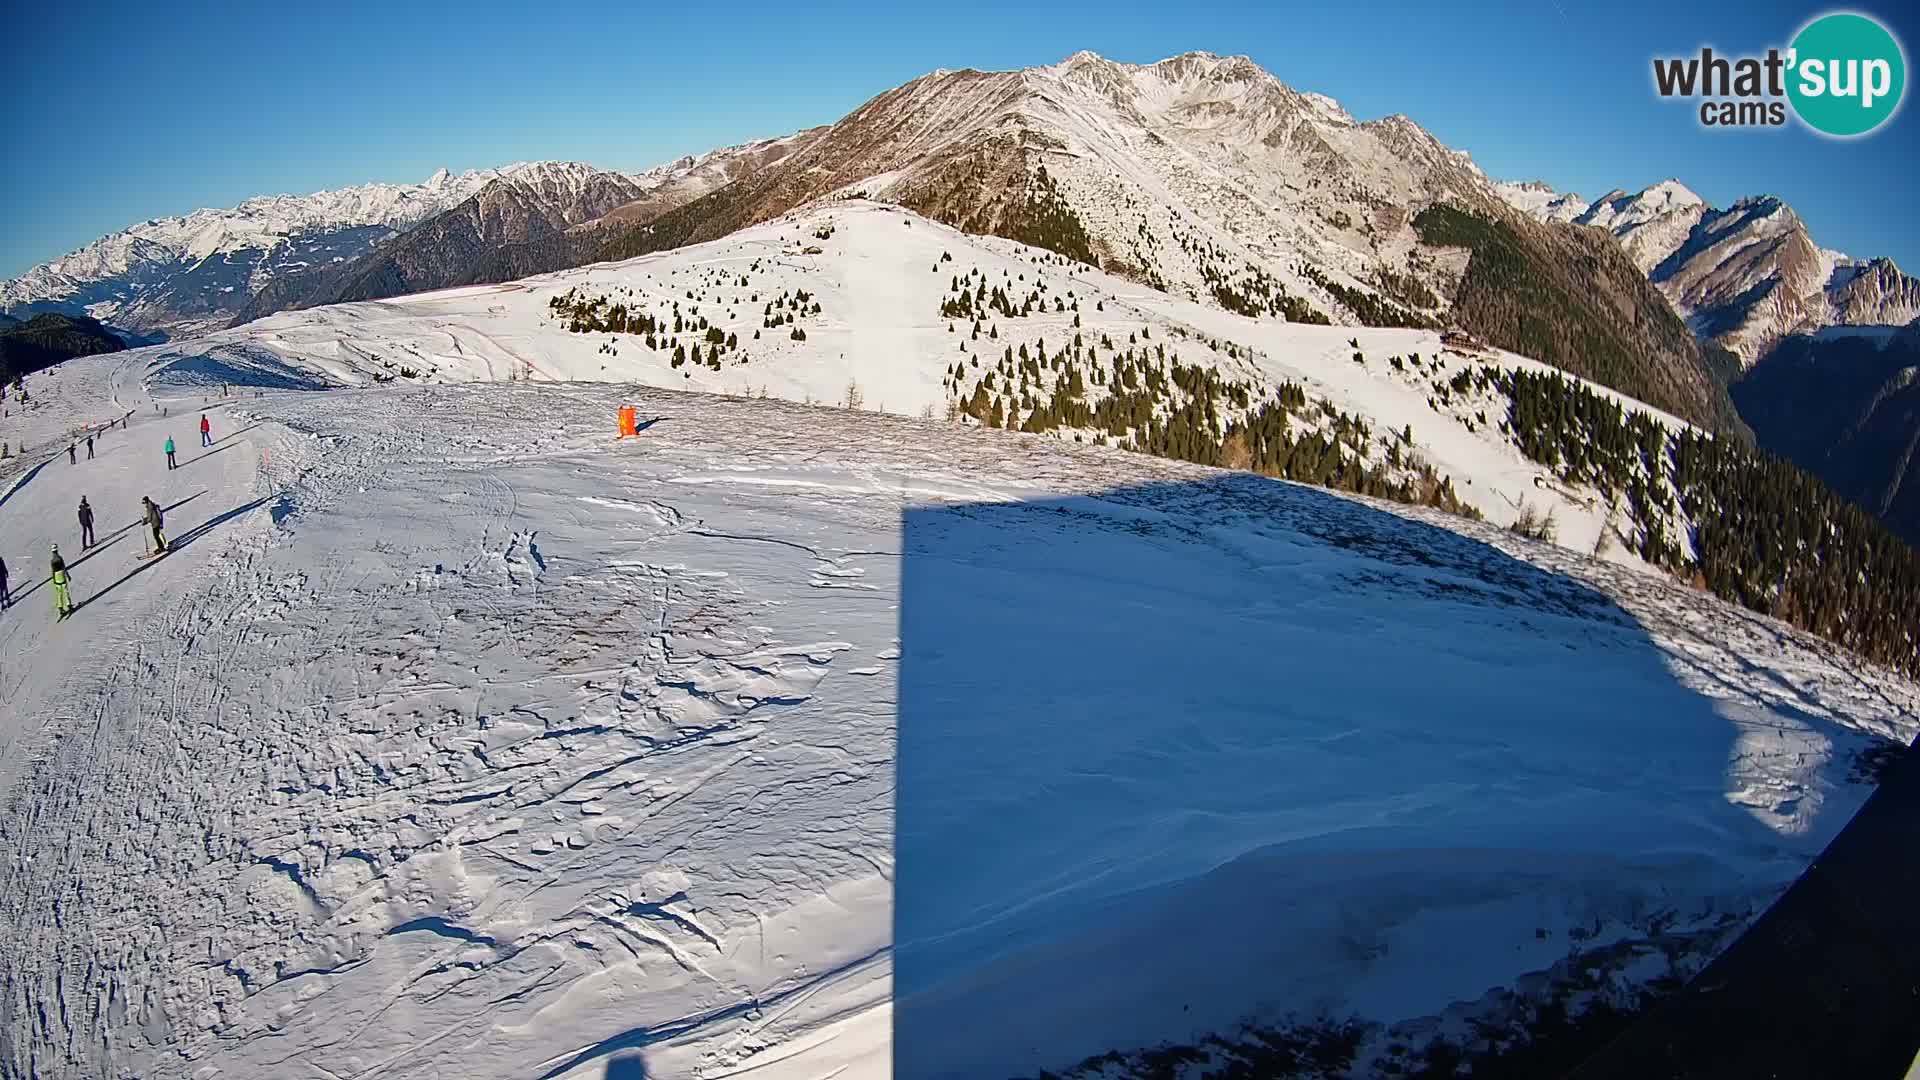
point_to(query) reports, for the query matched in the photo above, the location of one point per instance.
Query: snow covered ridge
(456, 737)
(1188, 172)
(878, 284)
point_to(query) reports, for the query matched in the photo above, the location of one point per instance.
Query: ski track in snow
(457, 736)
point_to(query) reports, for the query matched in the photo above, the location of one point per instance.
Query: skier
(170, 464)
(206, 431)
(86, 524)
(62, 596)
(72, 457)
(6, 597)
(154, 522)
(89, 448)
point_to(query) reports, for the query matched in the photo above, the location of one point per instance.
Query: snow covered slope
(458, 738)
(879, 277)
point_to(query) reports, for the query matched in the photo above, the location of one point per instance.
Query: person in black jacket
(6, 597)
(155, 522)
(86, 524)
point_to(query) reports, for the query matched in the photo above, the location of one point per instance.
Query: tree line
(1763, 533)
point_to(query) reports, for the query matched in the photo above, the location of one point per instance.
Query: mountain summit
(1207, 178)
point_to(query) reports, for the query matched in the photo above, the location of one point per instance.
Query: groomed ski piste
(456, 736)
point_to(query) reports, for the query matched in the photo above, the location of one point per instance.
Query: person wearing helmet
(62, 594)
(86, 524)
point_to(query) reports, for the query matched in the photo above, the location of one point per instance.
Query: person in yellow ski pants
(62, 595)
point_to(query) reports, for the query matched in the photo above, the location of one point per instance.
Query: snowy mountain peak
(1671, 193)
(1764, 206)
(1538, 199)
(1619, 211)
(1187, 74)
(1328, 108)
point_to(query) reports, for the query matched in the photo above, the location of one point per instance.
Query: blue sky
(121, 112)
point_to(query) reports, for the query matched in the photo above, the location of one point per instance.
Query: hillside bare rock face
(513, 227)
(685, 179)
(47, 339)
(1570, 296)
(1845, 406)
(1743, 277)
(1186, 172)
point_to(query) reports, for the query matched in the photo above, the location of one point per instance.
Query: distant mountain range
(521, 222)
(185, 274)
(180, 276)
(1743, 277)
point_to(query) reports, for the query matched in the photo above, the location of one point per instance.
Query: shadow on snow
(1177, 755)
(176, 545)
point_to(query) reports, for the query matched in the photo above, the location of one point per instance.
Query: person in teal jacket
(62, 595)
(169, 453)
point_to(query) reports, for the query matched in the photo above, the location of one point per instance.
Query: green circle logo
(1848, 74)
